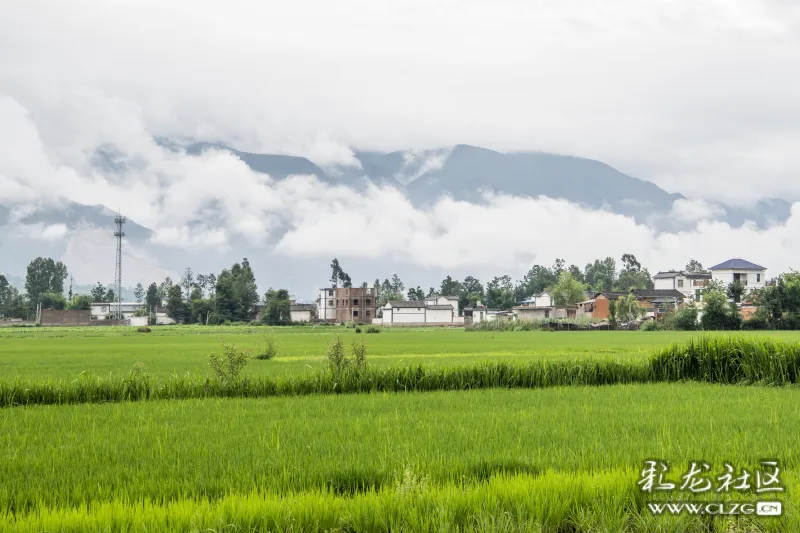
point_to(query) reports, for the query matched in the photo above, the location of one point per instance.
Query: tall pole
(119, 220)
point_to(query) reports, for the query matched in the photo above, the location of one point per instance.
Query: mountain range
(461, 172)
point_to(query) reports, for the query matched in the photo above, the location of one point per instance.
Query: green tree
(80, 302)
(164, 287)
(44, 276)
(176, 307)
(535, 281)
(110, 296)
(471, 292)
(567, 290)
(693, 266)
(51, 300)
(628, 308)
(735, 290)
(98, 292)
(397, 285)
(152, 298)
(278, 309)
(632, 275)
(718, 313)
(601, 275)
(450, 287)
(416, 294)
(236, 293)
(500, 293)
(336, 273)
(138, 292)
(187, 282)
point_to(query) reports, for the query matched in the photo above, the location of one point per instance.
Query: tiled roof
(658, 293)
(439, 307)
(737, 264)
(303, 307)
(404, 303)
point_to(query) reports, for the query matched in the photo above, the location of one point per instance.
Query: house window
(330, 293)
(355, 314)
(680, 283)
(330, 303)
(547, 313)
(758, 278)
(355, 301)
(368, 313)
(369, 301)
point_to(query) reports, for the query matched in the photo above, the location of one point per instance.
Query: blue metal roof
(737, 264)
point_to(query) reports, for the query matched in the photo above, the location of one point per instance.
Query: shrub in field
(143, 329)
(269, 348)
(338, 362)
(358, 329)
(373, 329)
(229, 364)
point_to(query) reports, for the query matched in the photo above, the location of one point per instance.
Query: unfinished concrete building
(355, 304)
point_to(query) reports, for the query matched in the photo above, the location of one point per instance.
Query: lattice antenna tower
(119, 220)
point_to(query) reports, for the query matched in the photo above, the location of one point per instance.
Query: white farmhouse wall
(300, 316)
(326, 305)
(755, 279)
(439, 315)
(664, 284)
(544, 300)
(138, 321)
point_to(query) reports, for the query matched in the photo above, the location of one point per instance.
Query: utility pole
(119, 220)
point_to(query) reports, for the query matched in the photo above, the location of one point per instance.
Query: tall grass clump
(729, 359)
(269, 349)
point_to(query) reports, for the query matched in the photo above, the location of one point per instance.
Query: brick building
(355, 304)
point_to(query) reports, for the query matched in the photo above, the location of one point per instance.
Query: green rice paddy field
(561, 459)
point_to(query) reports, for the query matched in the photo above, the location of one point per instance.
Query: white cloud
(694, 94)
(697, 95)
(694, 209)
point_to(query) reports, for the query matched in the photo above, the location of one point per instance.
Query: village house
(437, 299)
(475, 314)
(750, 275)
(690, 284)
(303, 312)
(527, 312)
(106, 310)
(654, 301)
(346, 304)
(542, 299)
(417, 312)
(326, 305)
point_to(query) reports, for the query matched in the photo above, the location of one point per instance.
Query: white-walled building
(690, 284)
(417, 312)
(542, 299)
(750, 275)
(326, 304)
(302, 312)
(104, 310)
(437, 299)
(473, 315)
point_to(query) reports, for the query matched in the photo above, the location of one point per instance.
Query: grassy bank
(552, 502)
(66, 353)
(745, 360)
(77, 457)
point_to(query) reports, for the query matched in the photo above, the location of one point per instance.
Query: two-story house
(750, 275)
(690, 284)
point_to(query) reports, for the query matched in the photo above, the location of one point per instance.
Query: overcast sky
(698, 96)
